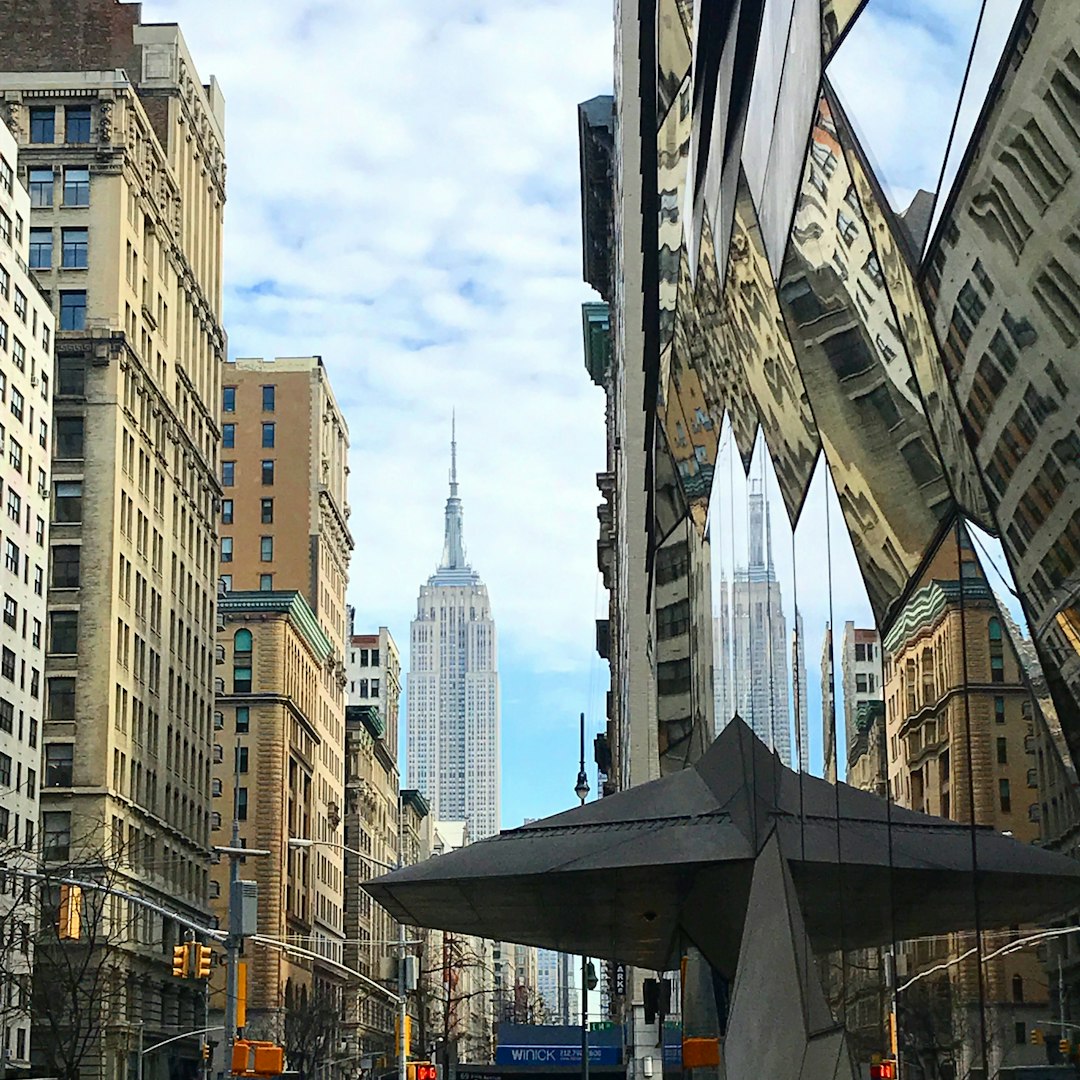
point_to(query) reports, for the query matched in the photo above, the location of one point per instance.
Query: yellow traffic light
(1065, 1047)
(180, 964)
(205, 1050)
(69, 926)
(203, 959)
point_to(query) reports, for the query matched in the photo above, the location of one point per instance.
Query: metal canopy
(627, 876)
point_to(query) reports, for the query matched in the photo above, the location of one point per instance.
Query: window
(41, 249)
(228, 473)
(43, 125)
(1004, 796)
(241, 804)
(41, 188)
(226, 548)
(76, 186)
(17, 402)
(1002, 750)
(268, 398)
(7, 664)
(266, 582)
(225, 581)
(11, 556)
(71, 376)
(241, 759)
(64, 632)
(228, 399)
(268, 473)
(268, 436)
(997, 656)
(226, 511)
(77, 124)
(1020, 1033)
(1018, 989)
(55, 834)
(999, 710)
(67, 502)
(61, 699)
(363, 691)
(59, 758)
(243, 720)
(5, 231)
(228, 436)
(7, 716)
(266, 511)
(11, 611)
(242, 646)
(65, 566)
(374, 657)
(73, 309)
(374, 687)
(73, 255)
(266, 548)
(7, 175)
(69, 437)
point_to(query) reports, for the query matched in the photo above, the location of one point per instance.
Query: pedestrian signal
(423, 1070)
(885, 1070)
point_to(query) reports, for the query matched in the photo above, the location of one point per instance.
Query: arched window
(242, 647)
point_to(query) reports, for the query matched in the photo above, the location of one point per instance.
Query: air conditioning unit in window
(219, 654)
(219, 721)
(222, 587)
(219, 686)
(34, 380)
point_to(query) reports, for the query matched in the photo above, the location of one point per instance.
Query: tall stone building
(26, 363)
(279, 773)
(958, 717)
(284, 555)
(122, 151)
(453, 699)
(798, 671)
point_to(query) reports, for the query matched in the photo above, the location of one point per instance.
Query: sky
(403, 200)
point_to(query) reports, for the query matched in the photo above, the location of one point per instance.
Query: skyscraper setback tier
(751, 642)
(453, 687)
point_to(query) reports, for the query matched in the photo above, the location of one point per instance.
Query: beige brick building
(278, 769)
(949, 660)
(122, 151)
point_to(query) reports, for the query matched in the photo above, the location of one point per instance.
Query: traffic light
(205, 1050)
(883, 1070)
(1065, 1047)
(1037, 1037)
(422, 1070)
(69, 925)
(180, 963)
(203, 960)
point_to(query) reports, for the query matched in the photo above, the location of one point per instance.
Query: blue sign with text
(556, 1055)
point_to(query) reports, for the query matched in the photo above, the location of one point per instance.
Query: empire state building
(452, 704)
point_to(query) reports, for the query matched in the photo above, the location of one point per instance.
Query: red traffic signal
(885, 1070)
(427, 1072)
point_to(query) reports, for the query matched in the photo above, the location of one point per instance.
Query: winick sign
(555, 1055)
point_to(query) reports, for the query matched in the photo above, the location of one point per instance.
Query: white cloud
(403, 201)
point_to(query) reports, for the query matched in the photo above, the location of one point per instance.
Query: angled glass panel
(1003, 282)
(836, 17)
(668, 502)
(759, 342)
(858, 380)
(673, 56)
(892, 276)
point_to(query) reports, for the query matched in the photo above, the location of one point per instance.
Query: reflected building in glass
(752, 635)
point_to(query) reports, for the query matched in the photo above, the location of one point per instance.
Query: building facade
(753, 633)
(828, 708)
(861, 681)
(26, 364)
(798, 670)
(958, 717)
(122, 152)
(373, 668)
(453, 680)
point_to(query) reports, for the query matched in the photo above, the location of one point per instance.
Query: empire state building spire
(453, 553)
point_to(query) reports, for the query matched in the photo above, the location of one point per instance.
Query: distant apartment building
(121, 149)
(861, 682)
(26, 366)
(373, 667)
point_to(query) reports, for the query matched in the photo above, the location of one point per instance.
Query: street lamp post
(581, 790)
(401, 996)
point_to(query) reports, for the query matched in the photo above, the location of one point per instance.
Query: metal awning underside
(628, 876)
